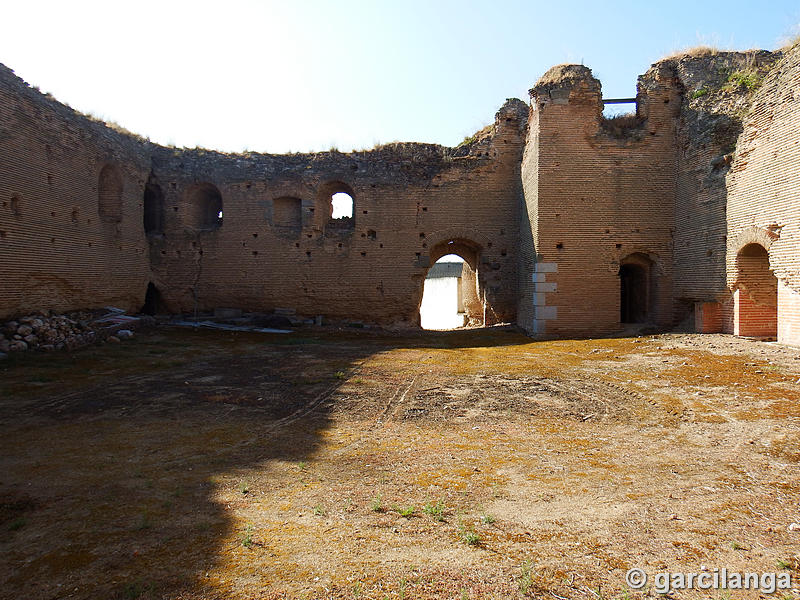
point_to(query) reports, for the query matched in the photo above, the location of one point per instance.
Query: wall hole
(204, 202)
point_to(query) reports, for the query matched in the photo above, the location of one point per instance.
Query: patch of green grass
(783, 564)
(244, 487)
(699, 93)
(339, 375)
(525, 579)
(468, 140)
(736, 546)
(467, 535)
(471, 538)
(302, 465)
(747, 78)
(319, 510)
(406, 511)
(376, 505)
(435, 511)
(488, 519)
(247, 538)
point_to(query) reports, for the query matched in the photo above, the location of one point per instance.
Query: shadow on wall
(124, 460)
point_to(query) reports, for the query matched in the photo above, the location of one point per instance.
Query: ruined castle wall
(70, 207)
(90, 217)
(409, 199)
(763, 184)
(710, 122)
(601, 199)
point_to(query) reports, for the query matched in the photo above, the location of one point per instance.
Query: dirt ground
(473, 464)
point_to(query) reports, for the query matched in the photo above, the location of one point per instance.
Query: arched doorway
(153, 304)
(636, 293)
(451, 294)
(755, 294)
(442, 304)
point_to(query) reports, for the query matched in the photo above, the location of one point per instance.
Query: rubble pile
(48, 332)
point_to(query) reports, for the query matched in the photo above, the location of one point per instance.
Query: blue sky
(310, 75)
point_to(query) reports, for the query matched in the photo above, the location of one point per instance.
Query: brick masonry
(566, 219)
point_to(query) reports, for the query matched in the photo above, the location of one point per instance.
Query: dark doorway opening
(153, 303)
(633, 289)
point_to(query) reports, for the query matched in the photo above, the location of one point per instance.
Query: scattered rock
(48, 332)
(113, 339)
(794, 527)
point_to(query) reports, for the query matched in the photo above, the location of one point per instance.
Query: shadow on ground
(113, 458)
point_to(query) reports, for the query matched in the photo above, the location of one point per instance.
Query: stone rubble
(48, 332)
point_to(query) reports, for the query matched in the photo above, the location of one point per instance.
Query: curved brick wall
(70, 228)
(72, 219)
(763, 204)
(546, 204)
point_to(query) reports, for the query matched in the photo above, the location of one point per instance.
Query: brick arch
(464, 240)
(755, 293)
(752, 234)
(469, 245)
(624, 254)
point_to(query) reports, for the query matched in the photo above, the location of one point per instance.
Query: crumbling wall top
(564, 82)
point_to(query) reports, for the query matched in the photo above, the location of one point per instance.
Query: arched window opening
(153, 208)
(205, 207)
(287, 212)
(756, 294)
(342, 205)
(443, 294)
(336, 207)
(109, 195)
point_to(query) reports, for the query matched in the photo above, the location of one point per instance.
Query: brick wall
(545, 205)
(410, 202)
(762, 189)
(70, 207)
(596, 198)
(72, 220)
(788, 315)
(708, 127)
